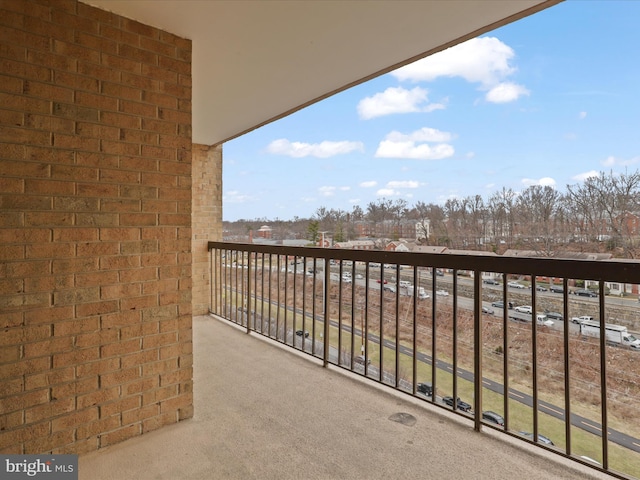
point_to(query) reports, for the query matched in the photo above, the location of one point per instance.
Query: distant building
(356, 245)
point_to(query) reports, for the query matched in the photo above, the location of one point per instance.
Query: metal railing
(431, 326)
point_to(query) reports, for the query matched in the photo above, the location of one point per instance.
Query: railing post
(477, 350)
(325, 308)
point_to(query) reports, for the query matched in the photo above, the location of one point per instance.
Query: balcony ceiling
(256, 61)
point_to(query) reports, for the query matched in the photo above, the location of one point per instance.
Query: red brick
(96, 100)
(47, 347)
(48, 315)
(159, 394)
(120, 377)
(45, 444)
(76, 327)
(77, 265)
(119, 147)
(42, 219)
(97, 398)
(137, 415)
(120, 63)
(102, 337)
(121, 348)
(119, 262)
(92, 369)
(141, 219)
(139, 275)
(120, 319)
(119, 234)
(81, 84)
(77, 387)
(97, 278)
(76, 357)
(74, 419)
(157, 368)
(119, 406)
(97, 427)
(141, 386)
(97, 249)
(25, 202)
(120, 435)
(121, 290)
(50, 409)
(50, 250)
(24, 400)
(97, 308)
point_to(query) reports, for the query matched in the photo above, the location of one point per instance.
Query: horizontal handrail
(394, 318)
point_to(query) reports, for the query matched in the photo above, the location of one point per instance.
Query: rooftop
(266, 411)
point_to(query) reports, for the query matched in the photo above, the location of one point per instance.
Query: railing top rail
(618, 270)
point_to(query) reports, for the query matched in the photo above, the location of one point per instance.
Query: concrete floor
(266, 412)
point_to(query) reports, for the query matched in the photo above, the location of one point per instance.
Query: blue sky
(548, 100)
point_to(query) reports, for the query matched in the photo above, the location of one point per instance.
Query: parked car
(442, 293)
(584, 292)
(493, 417)
(300, 333)
(382, 281)
(464, 406)
(346, 279)
(490, 281)
(500, 304)
(541, 438)
(583, 318)
(487, 310)
(360, 360)
(439, 273)
(390, 288)
(515, 285)
(425, 389)
(524, 309)
(554, 316)
(556, 289)
(540, 288)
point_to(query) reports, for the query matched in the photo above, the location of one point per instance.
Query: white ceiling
(258, 60)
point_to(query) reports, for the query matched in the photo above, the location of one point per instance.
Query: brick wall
(95, 227)
(206, 219)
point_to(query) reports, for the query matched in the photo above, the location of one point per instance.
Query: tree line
(604, 209)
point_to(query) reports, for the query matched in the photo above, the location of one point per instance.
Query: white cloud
(368, 184)
(479, 60)
(412, 146)
(324, 149)
(403, 184)
(582, 115)
(387, 192)
(396, 100)
(544, 182)
(328, 191)
(485, 61)
(235, 196)
(425, 134)
(506, 92)
(612, 161)
(581, 177)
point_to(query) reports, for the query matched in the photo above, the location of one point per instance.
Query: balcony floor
(265, 412)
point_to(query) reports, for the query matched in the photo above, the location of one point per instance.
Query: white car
(524, 309)
(542, 319)
(442, 293)
(515, 285)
